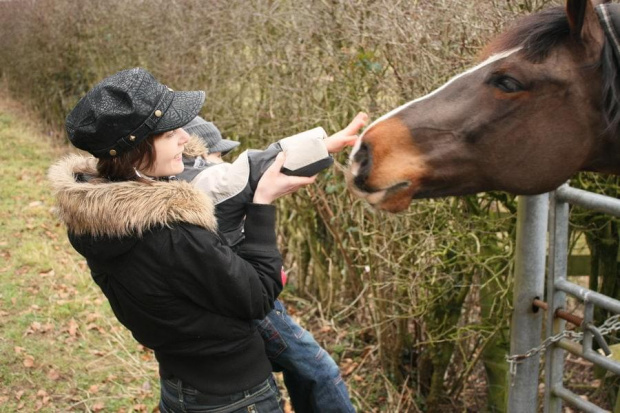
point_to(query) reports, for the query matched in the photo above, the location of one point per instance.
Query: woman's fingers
(356, 124)
(274, 184)
(347, 136)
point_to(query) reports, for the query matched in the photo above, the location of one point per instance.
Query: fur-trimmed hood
(195, 147)
(119, 209)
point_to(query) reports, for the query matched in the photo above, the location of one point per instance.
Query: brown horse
(542, 105)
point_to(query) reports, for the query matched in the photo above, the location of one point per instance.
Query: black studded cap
(123, 109)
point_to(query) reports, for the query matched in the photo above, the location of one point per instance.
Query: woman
(311, 375)
(152, 245)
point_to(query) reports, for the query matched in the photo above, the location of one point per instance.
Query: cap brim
(225, 145)
(184, 107)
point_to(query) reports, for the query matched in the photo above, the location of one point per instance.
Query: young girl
(152, 245)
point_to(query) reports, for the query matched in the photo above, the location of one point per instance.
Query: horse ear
(576, 12)
(584, 24)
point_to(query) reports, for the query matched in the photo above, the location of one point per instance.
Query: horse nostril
(362, 156)
(364, 160)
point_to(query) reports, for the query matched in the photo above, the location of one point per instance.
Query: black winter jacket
(155, 252)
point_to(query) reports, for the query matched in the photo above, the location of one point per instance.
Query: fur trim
(195, 147)
(129, 208)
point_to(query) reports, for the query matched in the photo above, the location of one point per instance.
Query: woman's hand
(274, 184)
(347, 136)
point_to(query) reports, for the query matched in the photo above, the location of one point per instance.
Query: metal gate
(537, 216)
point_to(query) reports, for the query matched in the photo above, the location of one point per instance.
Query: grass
(61, 347)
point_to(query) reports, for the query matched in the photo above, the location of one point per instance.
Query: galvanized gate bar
(577, 401)
(588, 317)
(588, 296)
(590, 355)
(590, 200)
(557, 270)
(529, 279)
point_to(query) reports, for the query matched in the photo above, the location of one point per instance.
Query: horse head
(540, 106)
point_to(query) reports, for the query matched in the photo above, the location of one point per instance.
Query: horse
(542, 105)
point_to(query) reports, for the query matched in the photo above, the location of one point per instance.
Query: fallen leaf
(73, 326)
(97, 407)
(51, 235)
(53, 374)
(28, 362)
(146, 356)
(92, 317)
(347, 366)
(47, 273)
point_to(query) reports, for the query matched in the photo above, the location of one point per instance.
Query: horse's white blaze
(491, 59)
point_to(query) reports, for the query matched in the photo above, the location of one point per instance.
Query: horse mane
(538, 34)
(611, 90)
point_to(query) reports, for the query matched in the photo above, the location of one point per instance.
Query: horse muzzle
(395, 198)
(385, 178)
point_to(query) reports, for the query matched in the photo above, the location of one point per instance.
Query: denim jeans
(311, 376)
(177, 397)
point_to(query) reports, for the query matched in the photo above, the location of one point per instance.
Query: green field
(61, 347)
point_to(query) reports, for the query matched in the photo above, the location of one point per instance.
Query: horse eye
(507, 84)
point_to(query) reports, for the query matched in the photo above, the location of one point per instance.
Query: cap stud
(158, 113)
(112, 152)
(132, 138)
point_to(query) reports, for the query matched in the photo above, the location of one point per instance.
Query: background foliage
(423, 297)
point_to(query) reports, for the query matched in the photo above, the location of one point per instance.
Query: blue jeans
(311, 376)
(178, 397)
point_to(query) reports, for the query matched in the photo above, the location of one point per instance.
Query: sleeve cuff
(260, 225)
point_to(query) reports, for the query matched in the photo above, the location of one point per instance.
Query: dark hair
(123, 167)
(537, 34)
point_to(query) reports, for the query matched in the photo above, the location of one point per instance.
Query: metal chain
(610, 325)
